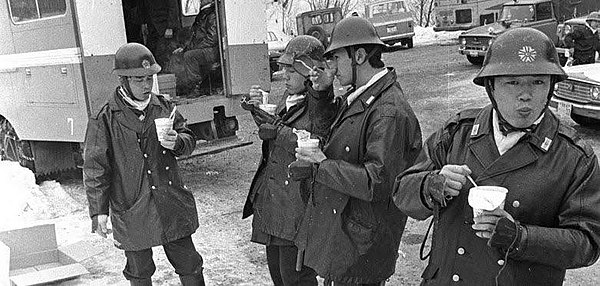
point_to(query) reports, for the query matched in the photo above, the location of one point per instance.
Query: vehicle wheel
(475, 60)
(13, 149)
(409, 43)
(318, 33)
(585, 121)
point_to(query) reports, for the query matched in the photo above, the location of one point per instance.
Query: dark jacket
(161, 14)
(352, 230)
(274, 198)
(553, 186)
(585, 44)
(127, 171)
(204, 30)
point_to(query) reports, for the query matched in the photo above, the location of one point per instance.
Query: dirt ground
(220, 183)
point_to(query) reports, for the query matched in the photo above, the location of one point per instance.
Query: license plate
(473, 54)
(392, 29)
(564, 108)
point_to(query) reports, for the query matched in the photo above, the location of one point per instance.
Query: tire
(318, 33)
(475, 60)
(409, 43)
(13, 149)
(585, 121)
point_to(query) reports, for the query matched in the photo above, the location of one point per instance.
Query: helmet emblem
(527, 54)
(146, 64)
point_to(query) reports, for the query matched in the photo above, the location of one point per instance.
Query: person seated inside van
(201, 52)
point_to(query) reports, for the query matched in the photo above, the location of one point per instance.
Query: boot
(140, 282)
(192, 280)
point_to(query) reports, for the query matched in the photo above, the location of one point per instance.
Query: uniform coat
(352, 230)
(127, 171)
(585, 44)
(274, 198)
(553, 191)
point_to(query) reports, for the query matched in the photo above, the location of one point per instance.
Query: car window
(316, 20)
(544, 11)
(27, 10)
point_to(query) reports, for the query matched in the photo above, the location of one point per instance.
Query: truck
(318, 23)
(392, 21)
(56, 59)
(453, 15)
(544, 15)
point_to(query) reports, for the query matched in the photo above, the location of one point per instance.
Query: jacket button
(153, 187)
(145, 155)
(170, 183)
(455, 277)
(460, 251)
(167, 168)
(164, 152)
(139, 140)
(286, 182)
(516, 204)
(501, 262)
(149, 172)
(334, 211)
(347, 149)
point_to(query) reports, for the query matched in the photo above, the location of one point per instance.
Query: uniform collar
(542, 137)
(356, 93)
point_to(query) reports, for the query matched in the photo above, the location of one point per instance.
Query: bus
(452, 15)
(56, 58)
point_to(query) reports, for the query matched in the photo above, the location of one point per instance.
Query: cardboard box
(35, 257)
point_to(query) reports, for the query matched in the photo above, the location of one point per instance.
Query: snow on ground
(426, 36)
(24, 202)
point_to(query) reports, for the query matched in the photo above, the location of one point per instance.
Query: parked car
(392, 20)
(319, 23)
(579, 95)
(276, 47)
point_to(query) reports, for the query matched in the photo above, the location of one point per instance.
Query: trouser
(199, 62)
(281, 260)
(328, 282)
(181, 254)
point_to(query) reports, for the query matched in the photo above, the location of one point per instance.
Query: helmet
(353, 31)
(133, 59)
(521, 51)
(303, 52)
(594, 16)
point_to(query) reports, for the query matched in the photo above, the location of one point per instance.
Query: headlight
(490, 42)
(595, 92)
(567, 29)
(463, 41)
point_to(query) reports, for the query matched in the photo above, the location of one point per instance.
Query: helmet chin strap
(352, 53)
(125, 83)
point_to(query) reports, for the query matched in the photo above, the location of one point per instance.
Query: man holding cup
(276, 202)
(351, 231)
(514, 194)
(130, 173)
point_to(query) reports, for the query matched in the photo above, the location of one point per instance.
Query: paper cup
(163, 125)
(269, 108)
(486, 198)
(309, 143)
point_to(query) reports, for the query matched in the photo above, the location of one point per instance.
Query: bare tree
(345, 5)
(422, 11)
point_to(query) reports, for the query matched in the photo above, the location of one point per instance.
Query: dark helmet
(303, 53)
(133, 59)
(594, 16)
(521, 51)
(353, 31)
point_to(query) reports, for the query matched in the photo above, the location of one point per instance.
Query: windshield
(387, 8)
(523, 13)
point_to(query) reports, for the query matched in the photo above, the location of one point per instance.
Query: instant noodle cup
(269, 108)
(486, 198)
(163, 126)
